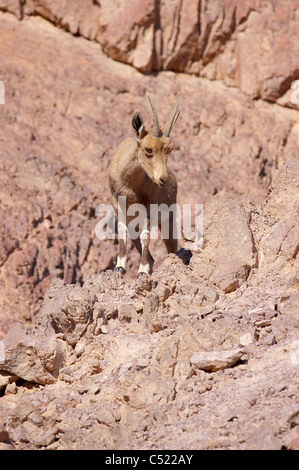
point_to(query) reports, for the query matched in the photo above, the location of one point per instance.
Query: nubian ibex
(139, 172)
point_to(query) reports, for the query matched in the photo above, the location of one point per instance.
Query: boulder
(216, 360)
(227, 236)
(34, 356)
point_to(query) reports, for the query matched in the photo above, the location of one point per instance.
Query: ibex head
(154, 146)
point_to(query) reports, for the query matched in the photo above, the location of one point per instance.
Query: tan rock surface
(95, 361)
(248, 44)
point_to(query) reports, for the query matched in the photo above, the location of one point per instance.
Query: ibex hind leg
(171, 245)
(171, 241)
(169, 233)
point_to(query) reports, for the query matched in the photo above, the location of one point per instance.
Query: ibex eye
(149, 152)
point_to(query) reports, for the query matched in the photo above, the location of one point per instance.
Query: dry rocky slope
(203, 354)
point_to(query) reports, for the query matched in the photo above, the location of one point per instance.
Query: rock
(157, 391)
(216, 360)
(246, 339)
(6, 378)
(263, 438)
(150, 310)
(3, 436)
(27, 422)
(50, 234)
(163, 291)
(96, 360)
(13, 6)
(227, 234)
(208, 39)
(272, 81)
(269, 340)
(70, 312)
(35, 356)
(281, 209)
(293, 419)
(126, 313)
(292, 441)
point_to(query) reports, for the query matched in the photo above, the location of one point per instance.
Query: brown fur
(143, 177)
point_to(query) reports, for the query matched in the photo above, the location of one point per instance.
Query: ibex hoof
(120, 270)
(141, 274)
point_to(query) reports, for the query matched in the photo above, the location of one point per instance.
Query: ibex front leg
(122, 252)
(122, 240)
(146, 261)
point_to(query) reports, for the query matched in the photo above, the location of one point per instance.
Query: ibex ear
(138, 125)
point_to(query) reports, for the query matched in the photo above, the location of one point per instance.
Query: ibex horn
(173, 117)
(156, 132)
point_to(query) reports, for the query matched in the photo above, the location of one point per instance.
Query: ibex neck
(139, 180)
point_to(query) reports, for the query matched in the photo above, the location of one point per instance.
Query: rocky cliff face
(204, 353)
